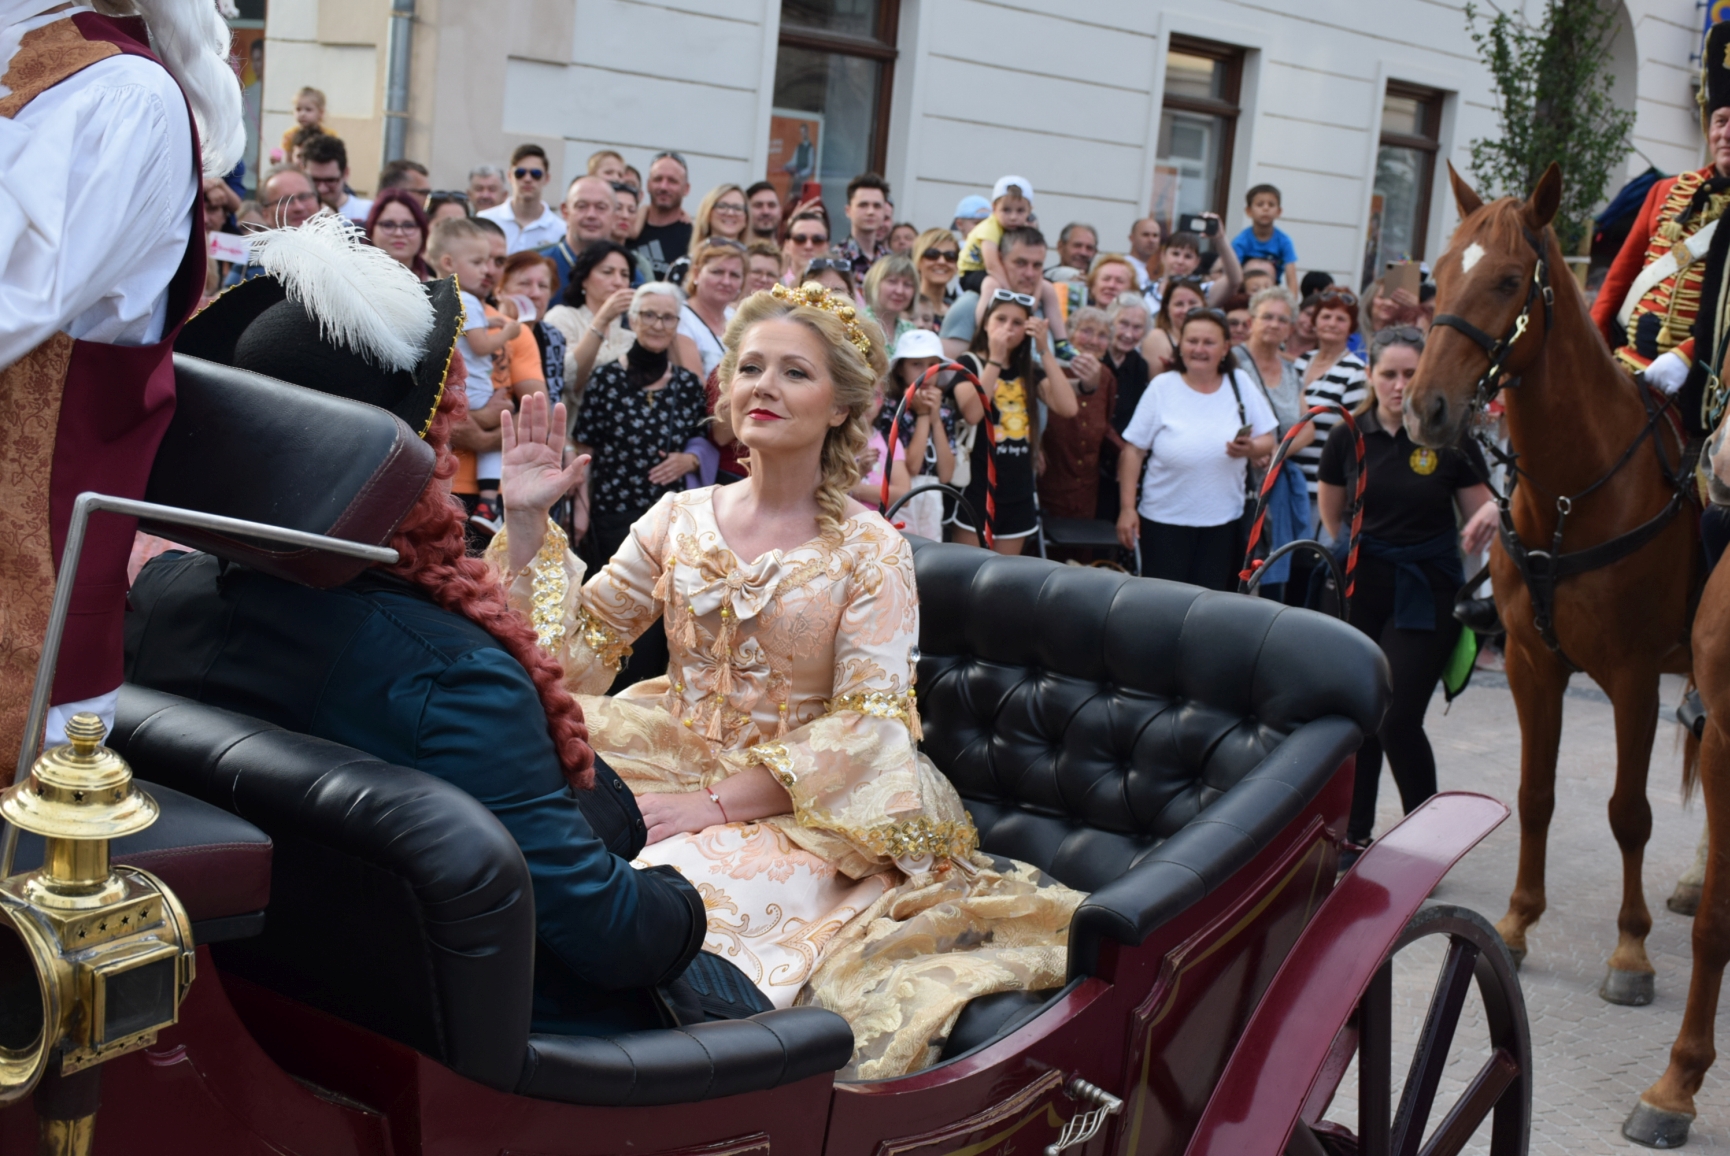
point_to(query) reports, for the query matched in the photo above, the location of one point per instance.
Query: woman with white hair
(638, 415)
(102, 257)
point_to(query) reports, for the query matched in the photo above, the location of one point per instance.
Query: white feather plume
(361, 297)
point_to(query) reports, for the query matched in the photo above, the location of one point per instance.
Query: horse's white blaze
(1473, 254)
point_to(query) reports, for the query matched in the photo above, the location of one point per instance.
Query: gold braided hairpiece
(816, 296)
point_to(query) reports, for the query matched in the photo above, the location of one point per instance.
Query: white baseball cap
(1004, 184)
(917, 343)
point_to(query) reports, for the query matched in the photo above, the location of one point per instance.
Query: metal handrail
(89, 503)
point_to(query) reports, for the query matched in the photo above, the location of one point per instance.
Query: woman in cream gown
(776, 764)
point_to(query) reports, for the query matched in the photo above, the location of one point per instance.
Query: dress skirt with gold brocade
(870, 898)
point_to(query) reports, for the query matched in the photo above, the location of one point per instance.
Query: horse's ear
(1541, 206)
(1465, 197)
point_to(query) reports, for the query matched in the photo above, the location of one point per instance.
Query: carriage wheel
(1501, 1090)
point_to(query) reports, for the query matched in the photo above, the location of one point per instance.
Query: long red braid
(430, 545)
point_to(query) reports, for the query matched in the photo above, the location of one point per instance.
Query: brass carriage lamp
(94, 959)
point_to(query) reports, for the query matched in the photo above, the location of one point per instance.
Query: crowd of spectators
(1139, 385)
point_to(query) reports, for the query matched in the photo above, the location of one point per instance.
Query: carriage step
(1691, 713)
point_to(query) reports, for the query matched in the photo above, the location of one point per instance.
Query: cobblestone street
(1592, 1059)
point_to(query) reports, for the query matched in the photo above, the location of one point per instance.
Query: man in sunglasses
(325, 160)
(528, 221)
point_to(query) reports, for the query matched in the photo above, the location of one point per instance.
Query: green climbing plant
(1552, 81)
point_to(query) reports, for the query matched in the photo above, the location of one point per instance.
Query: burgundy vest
(76, 416)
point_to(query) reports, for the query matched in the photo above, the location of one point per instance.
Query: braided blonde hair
(855, 379)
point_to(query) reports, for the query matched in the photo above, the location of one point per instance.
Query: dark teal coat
(377, 666)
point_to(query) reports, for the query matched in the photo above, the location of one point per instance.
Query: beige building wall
(1071, 98)
(691, 75)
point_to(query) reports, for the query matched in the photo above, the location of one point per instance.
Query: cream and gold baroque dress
(870, 898)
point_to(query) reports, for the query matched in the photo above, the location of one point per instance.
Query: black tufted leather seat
(1137, 739)
(426, 899)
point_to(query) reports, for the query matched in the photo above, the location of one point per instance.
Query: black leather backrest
(411, 886)
(248, 446)
(1086, 716)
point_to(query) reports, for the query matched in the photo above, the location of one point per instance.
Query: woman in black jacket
(1421, 507)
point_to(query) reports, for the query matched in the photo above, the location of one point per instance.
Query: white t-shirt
(1189, 480)
(479, 385)
(708, 341)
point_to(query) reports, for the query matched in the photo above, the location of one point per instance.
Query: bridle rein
(1542, 569)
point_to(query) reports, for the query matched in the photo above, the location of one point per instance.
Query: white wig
(193, 41)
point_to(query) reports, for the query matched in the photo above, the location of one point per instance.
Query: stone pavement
(1591, 1059)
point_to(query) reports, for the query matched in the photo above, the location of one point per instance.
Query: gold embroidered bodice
(801, 660)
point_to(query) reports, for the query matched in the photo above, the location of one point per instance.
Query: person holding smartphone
(1180, 258)
(1188, 445)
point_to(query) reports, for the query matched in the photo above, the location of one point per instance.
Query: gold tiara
(815, 296)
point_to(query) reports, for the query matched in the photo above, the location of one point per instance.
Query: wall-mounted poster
(1167, 184)
(794, 140)
(247, 57)
(1373, 241)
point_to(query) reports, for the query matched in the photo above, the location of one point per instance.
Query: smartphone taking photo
(1196, 223)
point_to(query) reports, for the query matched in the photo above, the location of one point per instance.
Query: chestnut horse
(1587, 447)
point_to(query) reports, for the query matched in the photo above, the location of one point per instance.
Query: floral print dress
(869, 897)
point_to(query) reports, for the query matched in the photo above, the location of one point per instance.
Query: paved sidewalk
(1591, 1059)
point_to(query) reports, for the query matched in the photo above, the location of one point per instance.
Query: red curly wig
(430, 547)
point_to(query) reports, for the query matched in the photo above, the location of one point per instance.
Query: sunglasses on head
(1330, 297)
(1021, 299)
(950, 255)
(538, 174)
(448, 195)
(831, 264)
(1400, 335)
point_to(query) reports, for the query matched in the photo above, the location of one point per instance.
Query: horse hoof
(1655, 1127)
(1685, 900)
(1629, 988)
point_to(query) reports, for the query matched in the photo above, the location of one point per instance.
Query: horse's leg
(1685, 900)
(1634, 696)
(1665, 1110)
(1537, 679)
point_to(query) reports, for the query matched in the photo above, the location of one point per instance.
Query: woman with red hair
(423, 664)
(398, 225)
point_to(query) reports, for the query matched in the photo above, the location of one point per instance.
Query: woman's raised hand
(533, 473)
(616, 305)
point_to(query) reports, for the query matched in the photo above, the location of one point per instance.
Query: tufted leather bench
(1137, 739)
(424, 902)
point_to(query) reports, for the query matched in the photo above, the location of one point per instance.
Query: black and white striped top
(1345, 384)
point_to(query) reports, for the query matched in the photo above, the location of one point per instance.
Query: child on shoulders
(981, 264)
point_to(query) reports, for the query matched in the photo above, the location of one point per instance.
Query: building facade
(1111, 108)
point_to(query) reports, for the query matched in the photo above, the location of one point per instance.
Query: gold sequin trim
(550, 585)
(881, 704)
(776, 757)
(919, 837)
(600, 638)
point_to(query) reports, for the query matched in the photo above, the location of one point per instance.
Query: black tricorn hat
(1714, 72)
(334, 314)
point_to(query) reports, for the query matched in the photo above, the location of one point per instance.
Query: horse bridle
(1498, 351)
(1542, 569)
